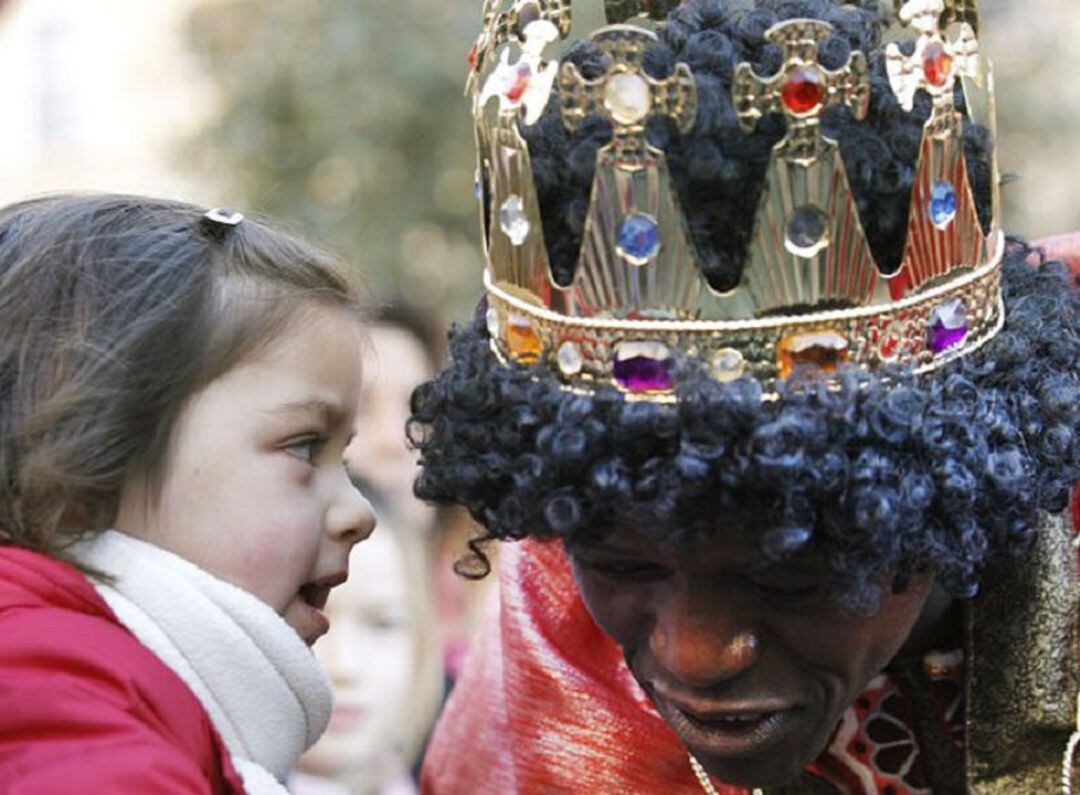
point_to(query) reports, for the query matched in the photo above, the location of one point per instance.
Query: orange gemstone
(820, 350)
(521, 338)
(937, 65)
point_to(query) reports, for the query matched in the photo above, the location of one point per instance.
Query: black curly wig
(888, 473)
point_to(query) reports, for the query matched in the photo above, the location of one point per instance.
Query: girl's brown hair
(114, 310)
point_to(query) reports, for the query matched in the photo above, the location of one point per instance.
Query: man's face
(751, 667)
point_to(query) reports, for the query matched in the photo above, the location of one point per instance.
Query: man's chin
(764, 773)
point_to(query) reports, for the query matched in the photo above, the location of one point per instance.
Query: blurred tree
(346, 119)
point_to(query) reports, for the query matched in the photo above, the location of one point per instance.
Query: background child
(187, 379)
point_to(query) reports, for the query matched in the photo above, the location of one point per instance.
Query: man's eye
(306, 449)
(638, 570)
(788, 590)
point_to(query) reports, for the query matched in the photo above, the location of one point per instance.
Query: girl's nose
(351, 517)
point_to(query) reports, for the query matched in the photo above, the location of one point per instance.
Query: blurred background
(345, 119)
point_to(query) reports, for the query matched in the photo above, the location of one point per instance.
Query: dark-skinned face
(751, 667)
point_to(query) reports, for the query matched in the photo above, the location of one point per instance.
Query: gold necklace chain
(703, 778)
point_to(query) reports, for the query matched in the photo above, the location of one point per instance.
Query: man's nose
(702, 642)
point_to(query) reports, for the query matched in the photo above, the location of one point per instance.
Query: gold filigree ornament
(811, 296)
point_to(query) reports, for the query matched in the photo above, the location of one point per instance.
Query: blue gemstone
(942, 204)
(639, 238)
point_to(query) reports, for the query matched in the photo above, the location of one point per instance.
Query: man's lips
(728, 729)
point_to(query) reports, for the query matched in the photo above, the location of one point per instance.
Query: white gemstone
(570, 359)
(493, 326)
(513, 221)
(627, 98)
(728, 365)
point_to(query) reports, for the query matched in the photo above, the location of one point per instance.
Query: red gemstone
(520, 83)
(474, 53)
(803, 90)
(937, 65)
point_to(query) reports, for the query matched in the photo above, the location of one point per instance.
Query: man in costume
(784, 425)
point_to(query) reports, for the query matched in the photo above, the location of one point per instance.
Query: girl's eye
(306, 449)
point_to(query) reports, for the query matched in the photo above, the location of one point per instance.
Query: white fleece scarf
(265, 693)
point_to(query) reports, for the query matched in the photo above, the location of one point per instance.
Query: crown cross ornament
(936, 63)
(944, 233)
(501, 28)
(627, 96)
(802, 89)
(811, 296)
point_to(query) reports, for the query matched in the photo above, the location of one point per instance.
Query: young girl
(177, 388)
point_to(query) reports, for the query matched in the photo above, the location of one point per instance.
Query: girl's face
(371, 659)
(255, 490)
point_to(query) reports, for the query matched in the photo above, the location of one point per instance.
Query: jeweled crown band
(921, 332)
(812, 295)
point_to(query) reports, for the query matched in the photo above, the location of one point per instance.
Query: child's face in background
(371, 659)
(255, 491)
(395, 363)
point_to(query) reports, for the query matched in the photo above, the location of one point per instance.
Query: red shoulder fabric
(1063, 247)
(85, 706)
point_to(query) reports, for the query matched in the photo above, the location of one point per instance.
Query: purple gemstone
(643, 367)
(948, 325)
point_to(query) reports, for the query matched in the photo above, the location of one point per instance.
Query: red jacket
(85, 707)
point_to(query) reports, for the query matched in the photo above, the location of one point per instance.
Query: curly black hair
(889, 472)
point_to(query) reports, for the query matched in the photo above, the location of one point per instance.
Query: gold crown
(811, 294)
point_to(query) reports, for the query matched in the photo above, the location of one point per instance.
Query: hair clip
(219, 215)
